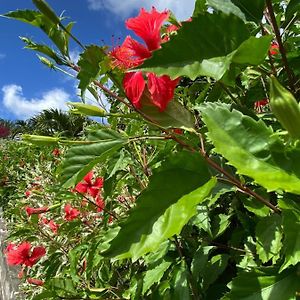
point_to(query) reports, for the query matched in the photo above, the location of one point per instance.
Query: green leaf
(268, 238)
(42, 49)
(154, 275)
(163, 209)
(48, 295)
(194, 51)
(251, 148)
(264, 284)
(79, 160)
(253, 9)
(174, 116)
(46, 10)
(90, 67)
(35, 18)
(292, 8)
(181, 289)
(291, 229)
(87, 109)
(227, 7)
(253, 51)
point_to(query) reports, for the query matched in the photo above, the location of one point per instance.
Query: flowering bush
(191, 189)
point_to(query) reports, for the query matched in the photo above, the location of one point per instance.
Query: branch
(280, 44)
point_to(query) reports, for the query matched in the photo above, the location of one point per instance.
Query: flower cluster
(159, 90)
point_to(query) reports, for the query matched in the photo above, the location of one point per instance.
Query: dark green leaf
(194, 51)
(292, 8)
(90, 67)
(251, 147)
(162, 210)
(79, 160)
(181, 289)
(268, 238)
(253, 9)
(227, 7)
(264, 284)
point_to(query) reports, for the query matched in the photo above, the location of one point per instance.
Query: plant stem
(280, 44)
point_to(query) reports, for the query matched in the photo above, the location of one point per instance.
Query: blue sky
(26, 85)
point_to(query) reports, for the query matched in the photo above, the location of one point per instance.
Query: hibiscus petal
(98, 182)
(134, 85)
(147, 26)
(81, 187)
(88, 177)
(161, 89)
(37, 253)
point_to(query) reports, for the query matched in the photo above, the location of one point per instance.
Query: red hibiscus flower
(22, 255)
(35, 211)
(100, 204)
(35, 281)
(89, 187)
(70, 212)
(159, 90)
(147, 26)
(10, 247)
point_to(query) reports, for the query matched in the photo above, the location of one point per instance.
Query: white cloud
(182, 9)
(17, 104)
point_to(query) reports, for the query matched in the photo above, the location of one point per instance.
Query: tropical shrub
(190, 191)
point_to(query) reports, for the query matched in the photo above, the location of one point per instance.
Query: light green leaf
(264, 284)
(268, 238)
(251, 148)
(90, 67)
(45, 9)
(291, 229)
(154, 275)
(163, 209)
(42, 49)
(174, 116)
(79, 160)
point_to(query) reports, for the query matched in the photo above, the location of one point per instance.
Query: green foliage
(79, 160)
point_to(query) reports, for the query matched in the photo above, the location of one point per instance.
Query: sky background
(26, 85)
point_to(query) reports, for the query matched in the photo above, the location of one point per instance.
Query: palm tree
(55, 122)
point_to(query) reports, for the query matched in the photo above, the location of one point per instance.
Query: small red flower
(89, 187)
(178, 131)
(27, 193)
(100, 204)
(56, 152)
(53, 226)
(147, 26)
(35, 211)
(70, 212)
(274, 49)
(22, 255)
(35, 281)
(259, 105)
